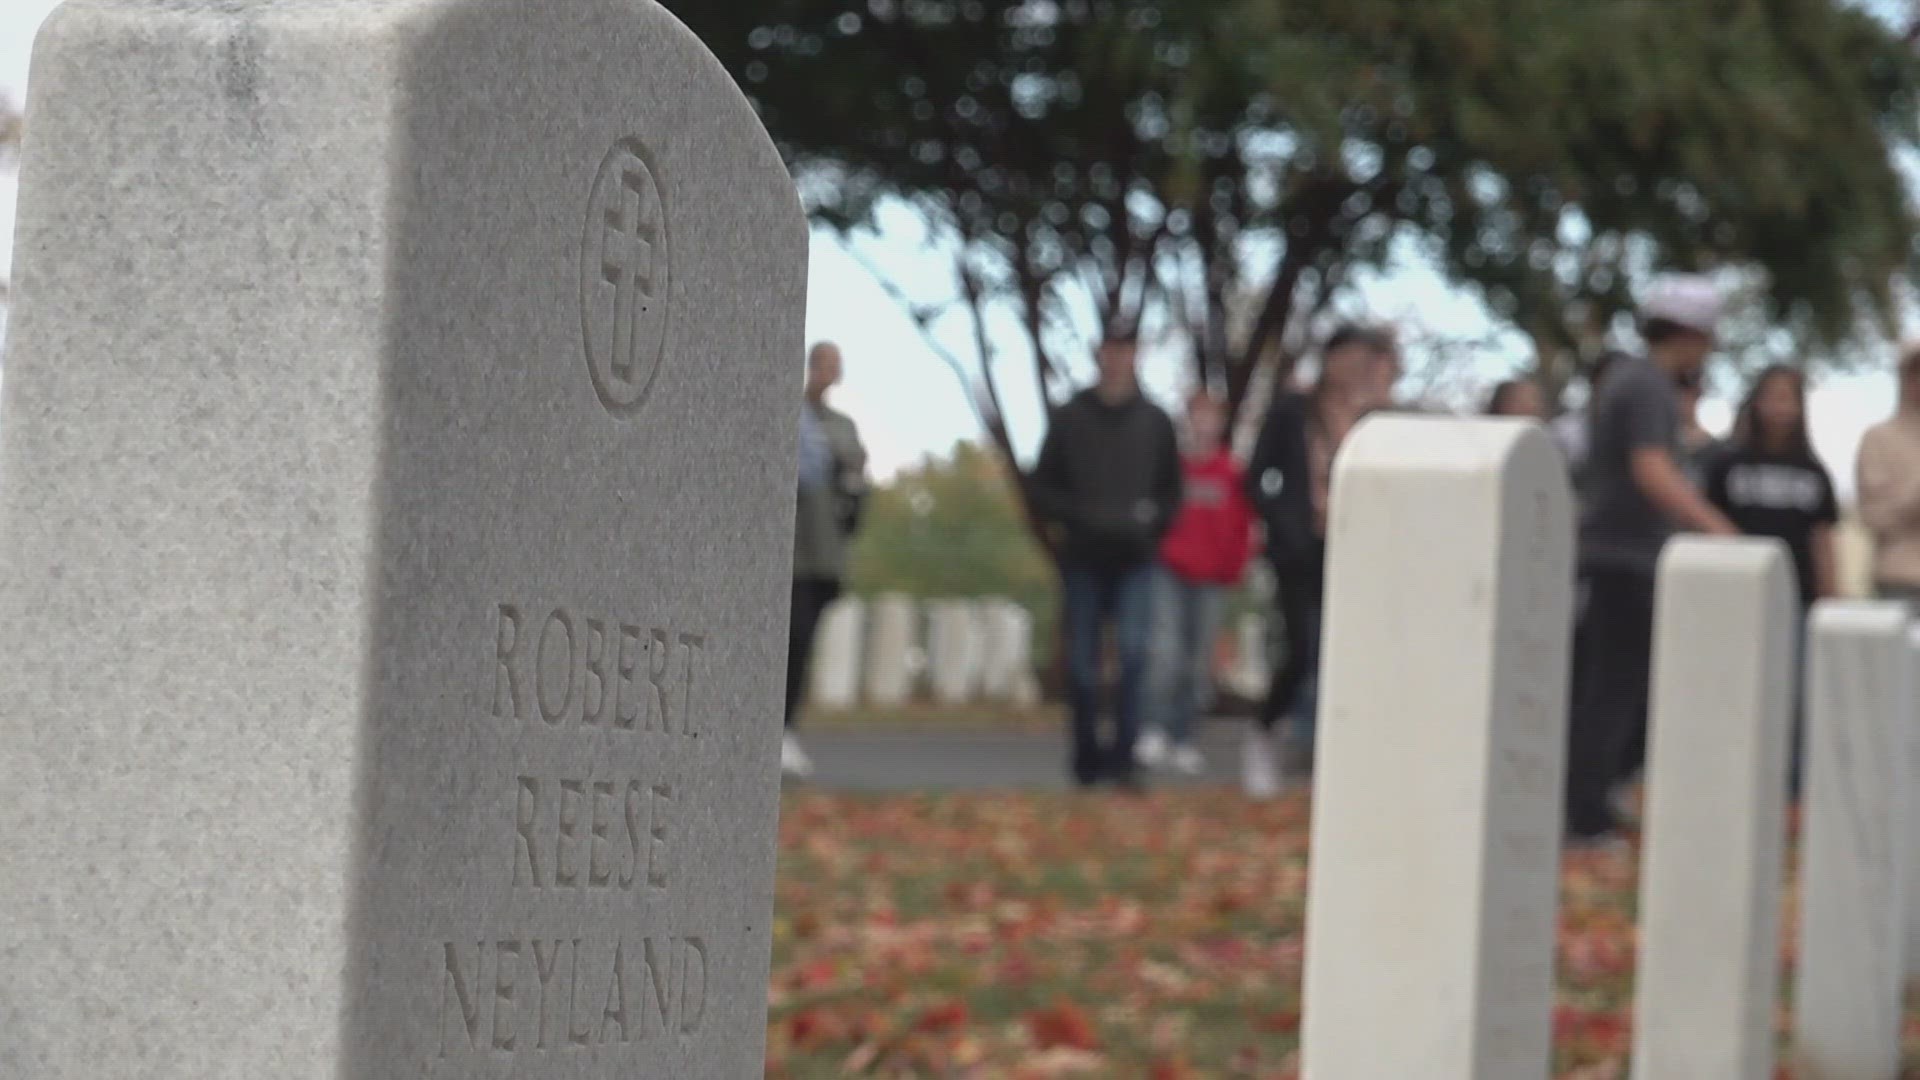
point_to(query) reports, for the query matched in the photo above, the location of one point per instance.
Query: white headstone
(1714, 822)
(954, 651)
(1854, 842)
(1913, 811)
(836, 655)
(398, 431)
(1436, 818)
(891, 637)
(1005, 649)
(1252, 669)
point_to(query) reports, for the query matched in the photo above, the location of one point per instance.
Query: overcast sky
(909, 404)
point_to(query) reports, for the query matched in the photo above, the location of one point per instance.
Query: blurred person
(1698, 446)
(832, 493)
(1520, 398)
(1203, 556)
(1888, 474)
(1635, 496)
(1569, 430)
(1769, 482)
(1288, 480)
(1108, 483)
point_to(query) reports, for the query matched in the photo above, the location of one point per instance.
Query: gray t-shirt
(1637, 408)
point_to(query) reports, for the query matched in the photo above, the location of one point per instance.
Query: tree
(1224, 167)
(952, 527)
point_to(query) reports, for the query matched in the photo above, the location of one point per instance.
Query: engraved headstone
(1854, 845)
(398, 429)
(1715, 811)
(1436, 817)
(836, 655)
(891, 638)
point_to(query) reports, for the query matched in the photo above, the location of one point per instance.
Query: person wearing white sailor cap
(1635, 494)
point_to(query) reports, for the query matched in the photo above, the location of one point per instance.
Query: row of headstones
(974, 651)
(1431, 911)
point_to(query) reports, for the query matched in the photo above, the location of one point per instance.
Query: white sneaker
(1151, 750)
(1188, 761)
(1259, 766)
(794, 761)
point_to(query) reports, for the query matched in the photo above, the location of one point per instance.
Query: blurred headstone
(836, 655)
(1715, 821)
(398, 424)
(1007, 651)
(955, 650)
(1854, 846)
(1252, 669)
(1436, 816)
(1913, 814)
(892, 636)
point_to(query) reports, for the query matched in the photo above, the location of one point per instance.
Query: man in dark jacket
(1288, 480)
(1107, 484)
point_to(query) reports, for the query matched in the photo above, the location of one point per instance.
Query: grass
(1033, 936)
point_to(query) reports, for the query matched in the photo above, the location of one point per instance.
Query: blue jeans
(1305, 714)
(1295, 691)
(1092, 600)
(1186, 620)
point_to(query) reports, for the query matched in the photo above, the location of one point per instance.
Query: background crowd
(1153, 523)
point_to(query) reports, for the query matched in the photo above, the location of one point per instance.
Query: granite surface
(1714, 825)
(1430, 910)
(1854, 845)
(398, 433)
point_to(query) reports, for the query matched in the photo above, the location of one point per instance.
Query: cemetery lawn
(923, 716)
(1014, 935)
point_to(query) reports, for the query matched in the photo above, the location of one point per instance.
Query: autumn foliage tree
(952, 526)
(1223, 168)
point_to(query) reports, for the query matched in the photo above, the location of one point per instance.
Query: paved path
(948, 759)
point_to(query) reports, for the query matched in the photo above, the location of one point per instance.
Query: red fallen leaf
(1282, 1022)
(1171, 1070)
(1017, 970)
(943, 1017)
(1062, 1024)
(813, 1027)
(816, 976)
(1601, 1030)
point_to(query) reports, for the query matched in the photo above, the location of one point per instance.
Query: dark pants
(810, 598)
(1092, 601)
(1607, 723)
(1907, 594)
(1293, 690)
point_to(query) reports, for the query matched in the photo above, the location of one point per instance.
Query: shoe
(1187, 760)
(794, 761)
(1151, 751)
(1259, 766)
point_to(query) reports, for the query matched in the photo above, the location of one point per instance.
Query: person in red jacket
(1203, 555)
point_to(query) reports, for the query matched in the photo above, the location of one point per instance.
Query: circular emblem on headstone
(626, 275)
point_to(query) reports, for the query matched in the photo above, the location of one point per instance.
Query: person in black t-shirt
(1769, 482)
